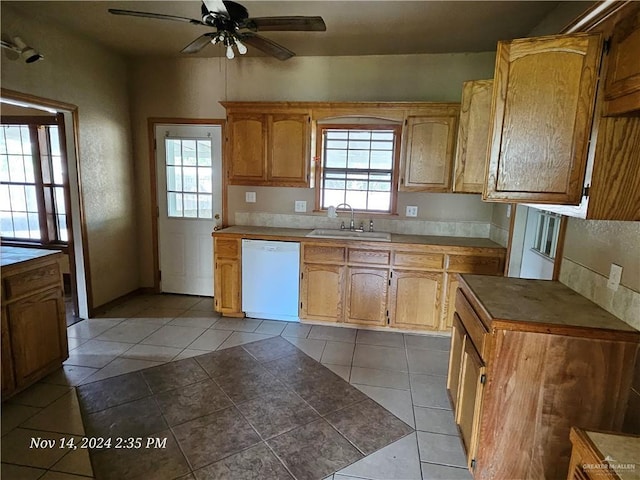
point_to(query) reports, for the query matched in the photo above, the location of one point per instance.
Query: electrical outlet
(614, 277)
(250, 197)
(412, 211)
(300, 206)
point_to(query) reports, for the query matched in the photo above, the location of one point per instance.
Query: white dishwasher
(270, 279)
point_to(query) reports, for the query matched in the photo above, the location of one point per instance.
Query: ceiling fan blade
(158, 16)
(267, 46)
(198, 44)
(287, 24)
(216, 6)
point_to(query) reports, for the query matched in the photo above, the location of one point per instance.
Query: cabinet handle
(483, 379)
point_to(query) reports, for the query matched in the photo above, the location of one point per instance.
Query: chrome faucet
(352, 225)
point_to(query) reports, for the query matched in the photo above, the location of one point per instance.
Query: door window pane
(189, 177)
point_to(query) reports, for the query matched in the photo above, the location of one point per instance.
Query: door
(189, 186)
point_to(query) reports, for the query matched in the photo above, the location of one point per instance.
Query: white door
(189, 185)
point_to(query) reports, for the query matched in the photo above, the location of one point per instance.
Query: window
(358, 167)
(547, 234)
(189, 182)
(33, 203)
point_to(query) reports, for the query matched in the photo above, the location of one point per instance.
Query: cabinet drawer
(378, 257)
(226, 248)
(33, 280)
(472, 324)
(420, 260)
(479, 264)
(322, 254)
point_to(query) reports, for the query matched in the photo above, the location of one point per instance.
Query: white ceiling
(353, 27)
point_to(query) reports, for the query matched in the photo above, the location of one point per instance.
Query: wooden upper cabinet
(429, 145)
(543, 104)
(473, 136)
(288, 150)
(247, 148)
(622, 86)
(268, 148)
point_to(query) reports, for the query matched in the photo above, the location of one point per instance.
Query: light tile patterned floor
(402, 372)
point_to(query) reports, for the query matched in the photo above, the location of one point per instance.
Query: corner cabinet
(428, 148)
(269, 148)
(473, 136)
(529, 359)
(543, 105)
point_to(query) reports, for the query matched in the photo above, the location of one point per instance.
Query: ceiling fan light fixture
(242, 49)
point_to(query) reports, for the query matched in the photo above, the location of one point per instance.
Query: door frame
(78, 247)
(151, 128)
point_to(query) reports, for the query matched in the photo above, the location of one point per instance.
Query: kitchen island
(34, 330)
(405, 283)
(529, 360)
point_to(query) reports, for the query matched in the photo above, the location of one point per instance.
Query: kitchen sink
(350, 235)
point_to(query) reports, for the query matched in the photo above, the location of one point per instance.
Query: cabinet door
(449, 304)
(247, 148)
(8, 382)
(288, 156)
(458, 335)
(428, 154)
(473, 136)
(543, 102)
(622, 87)
(367, 295)
(415, 299)
(469, 400)
(227, 285)
(321, 292)
(37, 328)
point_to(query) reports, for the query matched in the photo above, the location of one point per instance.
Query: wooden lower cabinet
(367, 295)
(414, 299)
(321, 295)
(227, 277)
(523, 370)
(469, 398)
(34, 326)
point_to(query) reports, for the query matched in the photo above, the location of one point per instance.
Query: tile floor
(403, 373)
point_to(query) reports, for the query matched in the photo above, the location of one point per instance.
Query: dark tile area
(255, 463)
(112, 391)
(212, 437)
(249, 412)
(134, 419)
(355, 423)
(174, 374)
(234, 360)
(277, 412)
(328, 395)
(193, 401)
(141, 463)
(248, 385)
(314, 451)
(270, 349)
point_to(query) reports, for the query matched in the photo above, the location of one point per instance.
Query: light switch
(250, 197)
(614, 277)
(412, 211)
(300, 206)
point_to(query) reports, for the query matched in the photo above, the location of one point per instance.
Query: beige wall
(84, 74)
(193, 87)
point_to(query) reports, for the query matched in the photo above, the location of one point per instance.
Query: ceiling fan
(233, 27)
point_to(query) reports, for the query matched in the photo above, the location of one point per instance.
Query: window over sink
(358, 166)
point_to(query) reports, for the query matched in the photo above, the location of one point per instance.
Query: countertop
(292, 233)
(550, 304)
(14, 255)
(622, 450)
